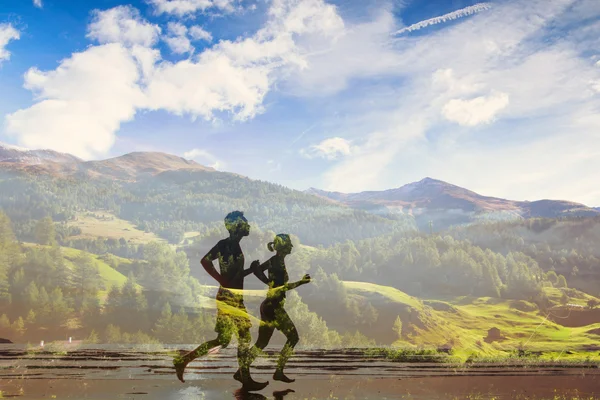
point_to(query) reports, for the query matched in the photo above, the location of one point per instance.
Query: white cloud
(503, 69)
(329, 149)
(177, 39)
(187, 7)
(235, 76)
(179, 44)
(464, 12)
(37, 3)
(480, 110)
(122, 24)
(197, 33)
(202, 155)
(81, 103)
(7, 33)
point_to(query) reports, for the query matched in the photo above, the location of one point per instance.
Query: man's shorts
(232, 316)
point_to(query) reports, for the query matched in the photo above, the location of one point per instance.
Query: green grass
(555, 294)
(389, 292)
(109, 226)
(110, 276)
(468, 325)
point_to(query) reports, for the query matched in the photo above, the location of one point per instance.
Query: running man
(232, 317)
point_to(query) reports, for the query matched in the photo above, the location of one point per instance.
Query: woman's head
(281, 244)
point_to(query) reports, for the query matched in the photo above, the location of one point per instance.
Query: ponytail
(279, 242)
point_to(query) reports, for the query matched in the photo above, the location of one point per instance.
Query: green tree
(562, 282)
(31, 318)
(44, 232)
(4, 323)
(398, 327)
(113, 334)
(18, 327)
(92, 338)
(552, 277)
(163, 328)
(564, 299)
(87, 282)
(8, 256)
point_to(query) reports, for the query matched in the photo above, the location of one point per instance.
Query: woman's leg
(287, 327)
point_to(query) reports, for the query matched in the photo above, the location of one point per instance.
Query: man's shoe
(179, 368)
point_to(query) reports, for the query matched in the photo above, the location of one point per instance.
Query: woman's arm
(294, 285)
(259, 271)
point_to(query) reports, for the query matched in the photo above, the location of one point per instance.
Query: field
(110, 276)
(463, 323)
(102, 224)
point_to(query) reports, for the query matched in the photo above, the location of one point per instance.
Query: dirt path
(135, 374)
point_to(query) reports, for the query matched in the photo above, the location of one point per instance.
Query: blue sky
(501, 97)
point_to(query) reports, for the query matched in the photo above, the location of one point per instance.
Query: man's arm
(252, 268)
(207, 263)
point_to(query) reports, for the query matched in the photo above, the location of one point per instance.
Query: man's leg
(244, 357)
(224, 328)
(265, 332)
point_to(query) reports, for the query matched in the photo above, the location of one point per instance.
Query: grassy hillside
(103, 224)
(110, 276)
(463, 323)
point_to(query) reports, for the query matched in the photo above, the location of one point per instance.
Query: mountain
(14, 154)
(138, 164)
(171, 197)
(446, 204)
(128, 167)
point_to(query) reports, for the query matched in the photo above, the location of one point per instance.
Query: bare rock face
(5, 341)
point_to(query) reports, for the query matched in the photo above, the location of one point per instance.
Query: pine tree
(562, 282)
(4, 323)
(92, 338)
(162, 328)
(8, 257)
(18, 327)
(398, 327)
(44, 232)
(87, 282)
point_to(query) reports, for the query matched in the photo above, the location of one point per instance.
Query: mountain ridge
(430, 197)
(427, 200)
(129, 166)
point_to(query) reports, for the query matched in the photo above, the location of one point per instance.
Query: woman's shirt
(278, 277)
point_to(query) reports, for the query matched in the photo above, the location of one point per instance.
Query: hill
(133, 166)
(463, 322)
(445, 204)
(170, 196)
(19, 155)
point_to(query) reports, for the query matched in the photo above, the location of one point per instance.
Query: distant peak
(13, 147)
(430, 180)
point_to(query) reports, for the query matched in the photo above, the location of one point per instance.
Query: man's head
(237, 224)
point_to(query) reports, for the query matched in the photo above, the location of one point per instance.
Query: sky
(500, 97)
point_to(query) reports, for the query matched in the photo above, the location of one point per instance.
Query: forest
(55, 280)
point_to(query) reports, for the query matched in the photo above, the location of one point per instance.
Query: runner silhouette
(231, 311)
(272, 312)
